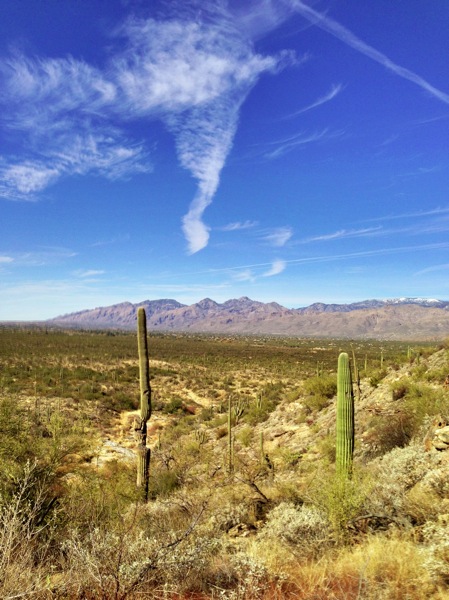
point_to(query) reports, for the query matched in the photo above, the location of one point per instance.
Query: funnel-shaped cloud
(203, 139)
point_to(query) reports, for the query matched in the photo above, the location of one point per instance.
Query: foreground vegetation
(244, 500)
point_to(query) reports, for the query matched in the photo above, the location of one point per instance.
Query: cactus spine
(143, 453)
(345, 417)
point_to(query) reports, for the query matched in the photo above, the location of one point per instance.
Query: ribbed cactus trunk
(143, 453)
(230, 441)
(345, 417)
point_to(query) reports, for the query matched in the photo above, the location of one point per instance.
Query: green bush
(342, 500)
(163, 482)
(376, 377)
(173, 406)
(319, 390)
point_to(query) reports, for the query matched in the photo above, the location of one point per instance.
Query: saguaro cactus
(230, 440)
(143, 453)
(345, 417)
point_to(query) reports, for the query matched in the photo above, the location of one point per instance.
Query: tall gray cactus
(143, 452)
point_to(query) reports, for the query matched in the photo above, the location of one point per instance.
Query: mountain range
(394, 319)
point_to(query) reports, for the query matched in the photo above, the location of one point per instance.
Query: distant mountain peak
(207, 304)
(397, 318)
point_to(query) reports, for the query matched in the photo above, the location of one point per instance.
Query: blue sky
(287, 151)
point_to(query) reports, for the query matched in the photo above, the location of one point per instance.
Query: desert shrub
(119, 401)
(27, 519)
(437, 477)
(221, 432)
(341, 500)
(376, 377)
(304, 527)
(260, 409)
(96, 498)
(419, 371)
(293, 395)
(416, 403)
(161, 546)
(422, 504)
(206, 414)
(14, 426)
(394, 474)
(249, 577)
(219, 420)
(400, 388)
(328, 447)
(288, 457)
(246, 436)
(423, 400)
(437, 375)
(258, 413)
(390, 431)
(382, 568)
(436, 538)
(173, 406)
(181, 425)
(319, 390)
(229, 515)
(163, 482)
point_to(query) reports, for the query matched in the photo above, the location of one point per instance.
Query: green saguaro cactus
(345, 417)
(230, 440)
(143, 453)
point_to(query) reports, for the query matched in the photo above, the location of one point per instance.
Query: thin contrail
(346, 36)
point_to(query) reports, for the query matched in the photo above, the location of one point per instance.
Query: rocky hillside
(400, 319)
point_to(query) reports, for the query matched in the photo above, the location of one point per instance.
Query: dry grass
(278, 526)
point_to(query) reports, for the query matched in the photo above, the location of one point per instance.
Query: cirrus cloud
(277, 267)
(191, 73)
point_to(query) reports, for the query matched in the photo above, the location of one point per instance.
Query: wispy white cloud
(23, 181)
(91, 154)
(86, 273)
(45, 95)
(115, 240)
(330, 95)
(342, 234)
(346, 36)
(237, 226)
(175, 65)
(60, 109)
(279, 236)
(38, 258)
(433, 269)
(191, 72)
(324, 258)
(444, 210)
(430, 227)
(244, 275)
(277, 267)
(289, 143)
